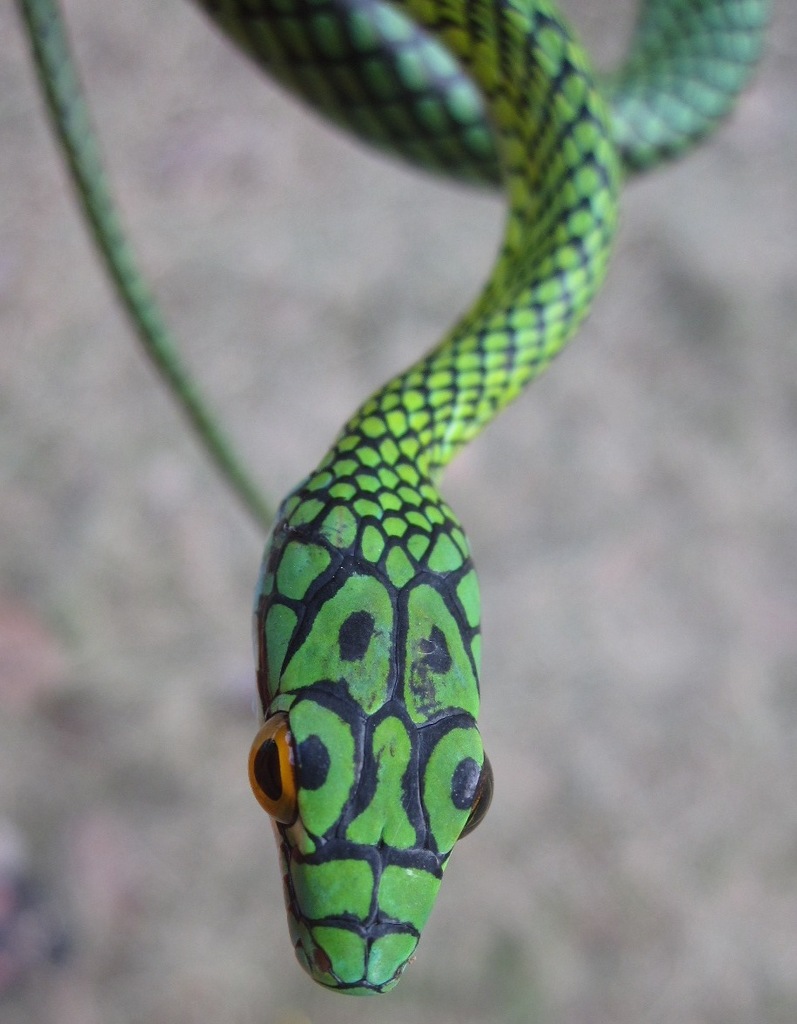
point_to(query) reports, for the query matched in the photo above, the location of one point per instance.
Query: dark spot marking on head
(435, 652)
(465, 783)
(313, 758)
(355, 635)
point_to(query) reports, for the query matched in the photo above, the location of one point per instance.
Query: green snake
(366, 624)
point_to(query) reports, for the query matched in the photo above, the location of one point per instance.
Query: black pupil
(267, 770)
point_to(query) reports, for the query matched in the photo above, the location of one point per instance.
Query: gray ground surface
(634, 518)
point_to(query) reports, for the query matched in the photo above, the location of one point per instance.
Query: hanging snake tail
(72, 126)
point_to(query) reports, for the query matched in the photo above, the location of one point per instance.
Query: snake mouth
(345, 905)
(355, 964)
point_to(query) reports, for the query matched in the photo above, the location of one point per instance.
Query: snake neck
(368, 541)
(562, 176)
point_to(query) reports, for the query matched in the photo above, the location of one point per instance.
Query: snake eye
(481, 802)
(271, 769)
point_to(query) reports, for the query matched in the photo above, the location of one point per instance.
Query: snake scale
(366, 624)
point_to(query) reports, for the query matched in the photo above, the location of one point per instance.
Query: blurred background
(633, 517)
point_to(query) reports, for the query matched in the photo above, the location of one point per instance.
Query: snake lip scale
(366, 614)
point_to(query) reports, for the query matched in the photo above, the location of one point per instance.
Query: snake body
(366, 623)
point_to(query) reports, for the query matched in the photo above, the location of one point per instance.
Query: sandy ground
(634, 519)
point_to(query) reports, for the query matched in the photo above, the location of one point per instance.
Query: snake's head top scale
(369, 760)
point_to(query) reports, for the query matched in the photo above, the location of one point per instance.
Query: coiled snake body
(367, 607)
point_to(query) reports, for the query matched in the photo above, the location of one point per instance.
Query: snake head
(370, 810)
(369, 759)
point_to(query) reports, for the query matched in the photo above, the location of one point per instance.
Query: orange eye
(481, 802)
(271, 769)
